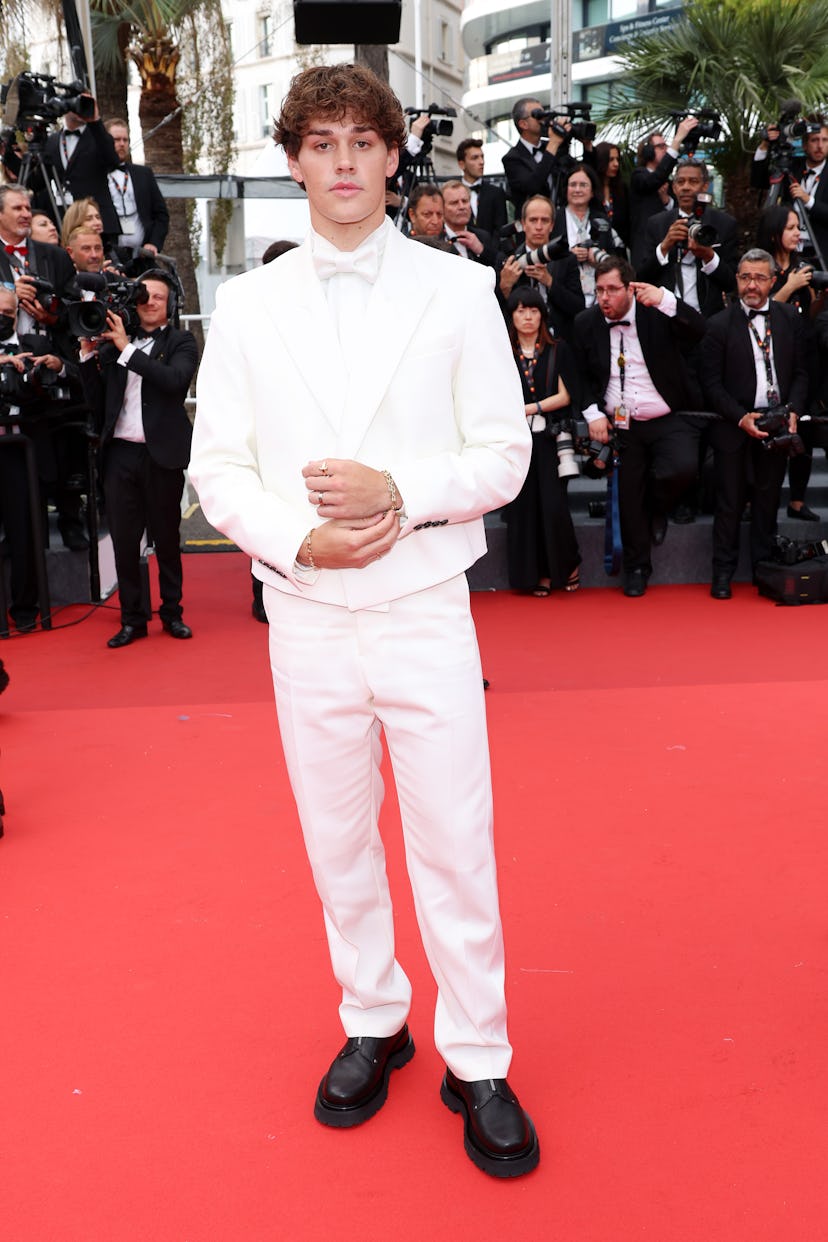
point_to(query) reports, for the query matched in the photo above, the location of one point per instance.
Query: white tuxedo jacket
(434, 397)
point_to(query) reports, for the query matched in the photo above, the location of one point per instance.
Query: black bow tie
(752, 314)
(618, 323)
(536, 149)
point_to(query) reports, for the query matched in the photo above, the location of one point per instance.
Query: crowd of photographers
(90, 354)
(619, 293)
(692, 348)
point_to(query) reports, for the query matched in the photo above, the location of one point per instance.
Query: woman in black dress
(541, 546)
(779, 233)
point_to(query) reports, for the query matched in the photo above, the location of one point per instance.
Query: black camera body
(87, 320)
(701, 234)
(34, 383)
(775, 423)
(441, 124)
(709, 126)
(37, 97)
(597, 456)
(581, 127)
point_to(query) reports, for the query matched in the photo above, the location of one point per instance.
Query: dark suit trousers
(659, 461)
(736, 465)
(15, 518)
(141, 495)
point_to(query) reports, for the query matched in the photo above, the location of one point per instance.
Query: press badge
(621, 417)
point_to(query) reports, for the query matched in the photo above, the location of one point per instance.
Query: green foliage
(741, 57)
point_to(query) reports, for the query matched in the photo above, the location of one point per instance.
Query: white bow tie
(363, 262)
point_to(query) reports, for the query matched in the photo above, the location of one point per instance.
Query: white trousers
(412, 669)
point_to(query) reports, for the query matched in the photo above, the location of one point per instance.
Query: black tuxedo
(817, 216)
(527, 176)
(488, 255)
(143, 483)
(658, 455)
(491, 214)
(729, 377)
(711, 289)
(564, 297)
(150, 203)
(85, 174)
(49, 262)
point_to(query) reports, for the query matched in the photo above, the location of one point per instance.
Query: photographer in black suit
(82, 153)
(806, 182)
(649, 183)
(137, 390)
(139, 204)
(630, 350)
(488, 202)
(539, 157)
(557, 281)
(753, 360)
(699, 271)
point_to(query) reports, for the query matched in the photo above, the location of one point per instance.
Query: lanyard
(122, 189)
(764, 344)
(622, 363)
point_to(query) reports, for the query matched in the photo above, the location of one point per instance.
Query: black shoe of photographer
(804, 514)
(635, 583)
(658, 528)
(356, 1085)
(127, 634)
(682, 515)
(498, 1136)
(177, 629)
(720, 587)
(73, 536)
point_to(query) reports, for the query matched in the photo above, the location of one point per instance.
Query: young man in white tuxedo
(348, 438)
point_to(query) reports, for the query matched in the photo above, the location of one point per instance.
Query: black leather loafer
(127, 634)
(635, 583)
(804, 514)
(499, 1136)
(177, 629)
(720, 587)
(356, 1085)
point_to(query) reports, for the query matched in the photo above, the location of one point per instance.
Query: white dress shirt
(641, 397)
(130, 424)
(760, 323)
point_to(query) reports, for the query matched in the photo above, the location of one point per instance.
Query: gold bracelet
(392, 489)
(309, 549)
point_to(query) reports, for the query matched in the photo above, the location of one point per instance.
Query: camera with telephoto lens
(557, 248)
(87, 320)
(560, 430)
(782, 150)
(701, 234)
(581, 127)
(597, 457)
(34, 383)
(775, 423)
(33, 98)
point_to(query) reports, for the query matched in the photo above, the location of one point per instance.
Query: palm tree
(742, 58)
(160, 36)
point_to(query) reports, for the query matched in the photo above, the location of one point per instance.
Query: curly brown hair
(334, 92)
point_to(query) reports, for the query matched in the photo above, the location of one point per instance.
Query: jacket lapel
(303, 321)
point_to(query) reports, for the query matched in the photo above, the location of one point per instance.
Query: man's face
(687, 183)
(816, 146)
(43, 230)
(73, 120)
(530, 126)
(427, 216)
(659, 147)
(754, 281)
(153, 312)
(457, 208)
(614, 298)
(8, 303)
(120, 136)
(344, 167)
(16, 217)
(537, 224)
(87, 252)
(472, 163)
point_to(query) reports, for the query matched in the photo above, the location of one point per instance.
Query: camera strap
(764, 343)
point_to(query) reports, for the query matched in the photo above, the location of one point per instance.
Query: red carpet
(166, 1005)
